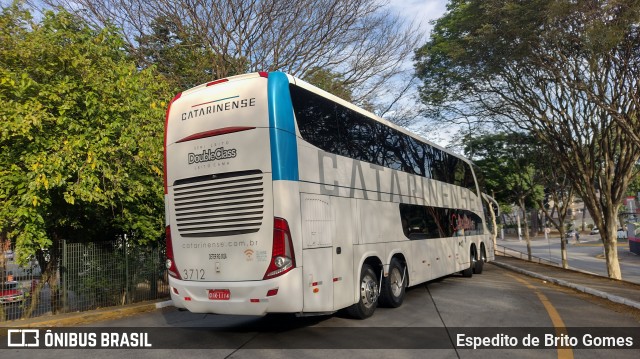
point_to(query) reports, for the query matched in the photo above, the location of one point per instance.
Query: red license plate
(219, 294)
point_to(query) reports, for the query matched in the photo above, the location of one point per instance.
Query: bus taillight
(282, 255)
(171, 263)
(166, 131)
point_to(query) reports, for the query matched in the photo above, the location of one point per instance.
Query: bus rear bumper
(245, 298)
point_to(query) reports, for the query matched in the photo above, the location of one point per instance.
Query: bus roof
(323, 93)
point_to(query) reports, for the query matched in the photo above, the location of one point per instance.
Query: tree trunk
(563, 250)
(526, 228)
(610, 243)
(605, 215)
(560, 227)
(519, 228)
(534, 223)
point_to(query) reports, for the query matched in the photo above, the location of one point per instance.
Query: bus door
(345, 215)
(317, 264)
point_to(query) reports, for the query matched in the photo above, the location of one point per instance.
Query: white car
(622, 234)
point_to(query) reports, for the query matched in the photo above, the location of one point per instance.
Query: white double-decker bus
(281, 197)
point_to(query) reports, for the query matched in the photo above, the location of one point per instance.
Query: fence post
(154, 271)
(65, 277)
(126, 269)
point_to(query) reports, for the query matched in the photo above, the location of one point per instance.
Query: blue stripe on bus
(282, 130)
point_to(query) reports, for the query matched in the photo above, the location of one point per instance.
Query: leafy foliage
(509, 162)
(174, 49)
(80, 134)
(634, 185)
(363, 41)
(329, 81)
(509, 165)
(566, 72)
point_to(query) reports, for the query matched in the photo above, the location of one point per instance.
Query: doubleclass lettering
(212, 155)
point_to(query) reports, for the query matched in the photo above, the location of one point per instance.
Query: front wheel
(393, 286)
(368, 291)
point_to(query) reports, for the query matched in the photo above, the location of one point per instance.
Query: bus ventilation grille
(221, 205)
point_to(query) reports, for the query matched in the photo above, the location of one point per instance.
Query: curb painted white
(564, 283)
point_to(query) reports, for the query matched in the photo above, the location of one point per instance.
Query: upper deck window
(342, 131)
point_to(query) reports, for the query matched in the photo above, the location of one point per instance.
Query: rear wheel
(393, 286)
(474, 259)
(480, 262)
(368, 291)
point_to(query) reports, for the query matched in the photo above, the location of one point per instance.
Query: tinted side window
(342, 131)
(470, 222)
(479, 178)
(422, 222)
(316, 117)
(358, 134)
(464, 176)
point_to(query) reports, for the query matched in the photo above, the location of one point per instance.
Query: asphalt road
(588, 255)
(497, 304)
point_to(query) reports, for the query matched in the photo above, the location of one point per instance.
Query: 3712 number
(193, 274)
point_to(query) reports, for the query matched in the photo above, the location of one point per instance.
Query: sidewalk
(616, 291)
(88, 317)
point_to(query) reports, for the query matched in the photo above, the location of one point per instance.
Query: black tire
(480, 262)
(368, 291)
(394, 285)
(468, 273)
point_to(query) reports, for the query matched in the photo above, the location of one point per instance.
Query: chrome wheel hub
(369, 291)
(395, 279)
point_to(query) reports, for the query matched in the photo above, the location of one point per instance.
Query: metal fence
(88, 276)
(510, 252)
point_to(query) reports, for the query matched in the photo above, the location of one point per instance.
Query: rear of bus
(229, 250)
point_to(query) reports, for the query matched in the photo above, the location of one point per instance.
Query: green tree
(507, 161)
(80, 137)
(558, 195)
(329, 81)
(565, 71)
(634, 185)
(176, 52)
(362, 40)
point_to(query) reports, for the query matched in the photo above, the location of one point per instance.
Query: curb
(581, 288)
(167, 303)
(88, 317)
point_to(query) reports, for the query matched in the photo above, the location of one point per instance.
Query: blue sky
(422, 11)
